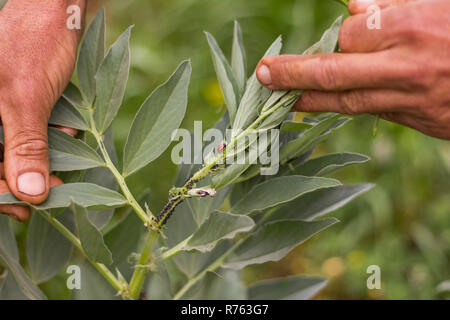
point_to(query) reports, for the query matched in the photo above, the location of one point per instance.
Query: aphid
(221, 147)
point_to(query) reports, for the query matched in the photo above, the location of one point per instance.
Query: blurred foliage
(402, 225)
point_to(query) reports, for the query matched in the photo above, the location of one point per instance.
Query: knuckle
(326, 76)
(31, 146)
(409, 29)
(344, 36)
(287, 74)
(350, 101)
(306, 101)
(421, 76)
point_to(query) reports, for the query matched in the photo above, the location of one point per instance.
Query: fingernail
(264, 75)
(31, 183)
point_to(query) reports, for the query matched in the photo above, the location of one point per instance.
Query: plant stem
(144, 216)
(175, 250)
(107, 274)
(215, 265)
(143, 266)
(375, 125)
(137, 280)
(181, 193)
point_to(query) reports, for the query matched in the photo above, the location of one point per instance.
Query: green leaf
(93, 285)
(9, 258)
(73, 95)
(319, 202)
(235, 170)
(92, 53)
(66, 115)
(238, 58)
(202, 207)
(248, 107)
(85, 194)
(221, 285)
(229, 175)
(159, 116)
(111, 81)
(288, 288)
(279, 190)
(273, 241)
(329, 40)
(68, 153)
(274, 119)
(23, 281)
(90, 237)
(123, 238)
(310, 138)
(7, 238)
(225, 76)
(159, 283)
(292, 126)
(180, 227)
(48, 251)
(329, 163)
(218, 226)
(9, 289)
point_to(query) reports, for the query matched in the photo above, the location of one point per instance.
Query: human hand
(37, 57)
(401, 71)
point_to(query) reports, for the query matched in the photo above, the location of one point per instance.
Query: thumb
(361, 6)
(26, 152)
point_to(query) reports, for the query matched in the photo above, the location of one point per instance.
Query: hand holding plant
(37, 60)
(399, 71)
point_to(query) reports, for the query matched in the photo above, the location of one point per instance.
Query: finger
(356, 36)
(55, 181)
(20, 213)
(26, 150)
(426, 126)
(361, 6)
(73, 132)
(328, 72)
(354, 101)
(405, 120)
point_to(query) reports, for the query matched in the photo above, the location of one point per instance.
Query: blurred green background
(402, 225)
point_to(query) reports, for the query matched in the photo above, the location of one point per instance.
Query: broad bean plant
(220, 216)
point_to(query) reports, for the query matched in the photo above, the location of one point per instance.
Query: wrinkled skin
(37, 58)
(401, 71)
